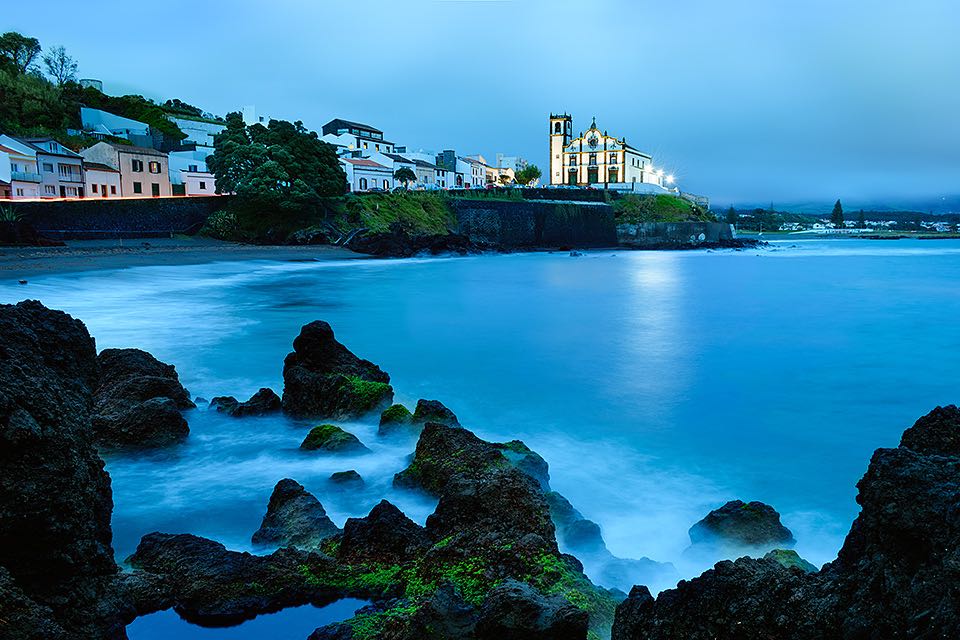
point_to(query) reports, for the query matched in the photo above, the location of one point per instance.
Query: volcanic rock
(434, 411)
(129, 379)
(740, 524)
(394, 418)
(516, 611)
(384, 535)
(263, 402)
(294, 518)
(331, 438)
(347, 479)
(322, 378)
(55, 498)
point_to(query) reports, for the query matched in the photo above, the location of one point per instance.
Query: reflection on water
(657, 385)
(295, 623)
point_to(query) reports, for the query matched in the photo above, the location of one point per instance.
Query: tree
(60, 66)
(405, 175)
(280, 168)
(732, 216)
(837, 216)
(528, 174)
(18, 51)
(861, 221)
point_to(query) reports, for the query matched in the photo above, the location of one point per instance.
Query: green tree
(405, 175)
(60, 66)
(281, 168)
(732, 216)
(18, 51)
(861, 220)
(528, 174)
(837, 216)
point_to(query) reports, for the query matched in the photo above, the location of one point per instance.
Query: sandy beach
(22, 263)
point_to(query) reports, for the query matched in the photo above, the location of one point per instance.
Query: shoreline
(21, 263)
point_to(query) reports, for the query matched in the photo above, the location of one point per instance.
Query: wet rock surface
(434, 411)
(294, 518)
(138, 401)
(742, 524)
(398, 244)
(56, 561)
(347, 479)
(323, 379)
(332, 439)
(262, 403)
(395, 418)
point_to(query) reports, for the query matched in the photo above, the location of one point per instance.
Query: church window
(593, 158)
(573, 160)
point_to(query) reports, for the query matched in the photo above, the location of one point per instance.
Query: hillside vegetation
(634, 209)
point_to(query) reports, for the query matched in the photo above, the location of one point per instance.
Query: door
(592, 175)
(103, 191)
(155, 188)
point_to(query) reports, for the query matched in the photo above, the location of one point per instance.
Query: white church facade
(596, 158)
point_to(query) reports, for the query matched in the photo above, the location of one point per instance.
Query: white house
(363, 174)
(355, 136)
(102, 181)
(101, 123)
(19, 168)
(199, 131)
(189, 168)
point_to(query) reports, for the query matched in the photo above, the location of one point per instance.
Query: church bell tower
(561, 132)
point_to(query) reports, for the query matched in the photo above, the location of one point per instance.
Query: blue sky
(746, 102)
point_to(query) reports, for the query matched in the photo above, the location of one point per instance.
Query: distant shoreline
(23, 263)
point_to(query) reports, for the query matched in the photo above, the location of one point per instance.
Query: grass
(634, 209)
(416, 213)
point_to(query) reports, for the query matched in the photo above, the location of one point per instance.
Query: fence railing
(25, 176)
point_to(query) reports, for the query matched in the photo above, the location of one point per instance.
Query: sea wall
(536, 223)
(666, 235)
(94, 218)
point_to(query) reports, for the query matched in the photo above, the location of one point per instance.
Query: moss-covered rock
(434, 411)
(331, 438)
(790, 558)
(294, 518)
(324, 379)
(395, 418)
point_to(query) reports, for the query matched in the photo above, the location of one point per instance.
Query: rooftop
(364, 162)
(96, 166)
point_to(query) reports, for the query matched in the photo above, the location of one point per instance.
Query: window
(203, 186)
(192, 168)
(71, 192)
(48, 167)
(363, 184)
(50, 190)
(573, 160)
(613, 158)
(113, 189)
(14, 166)
(137, 187)
(155, 189)
(365, 146)
(154, 167)
(593, 159)
(136, 165)
(556, 128)
(19, 192)
(94, 188)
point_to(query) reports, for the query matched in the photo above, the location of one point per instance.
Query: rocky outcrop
(516, 611)
(347, 479)
(434, 411)
(56, 561)
(896, 575)
(385, 535)
(207, 584)
(790, 558)
(138, 401)
(739, 525)
(263, 402)
(395, 418)
(332, 439)
(526, 460)
(323, 379)
(399, 244)
(294, 518)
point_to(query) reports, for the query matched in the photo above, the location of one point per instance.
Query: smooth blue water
(295, 623)
(656, 384)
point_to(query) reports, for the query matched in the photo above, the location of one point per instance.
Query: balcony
(71, 177)
(25, 176)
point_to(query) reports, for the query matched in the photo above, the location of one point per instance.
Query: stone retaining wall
(536, 224)
(656, 235)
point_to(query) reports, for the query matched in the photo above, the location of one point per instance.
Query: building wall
(60, 176)
(199, 132)
(198, 183)
(102, 184)
(130, 178)
(558, 139)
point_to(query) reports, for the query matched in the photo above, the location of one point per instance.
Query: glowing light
(670, 179)
(660, 172)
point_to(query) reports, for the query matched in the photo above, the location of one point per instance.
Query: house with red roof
(364, 174)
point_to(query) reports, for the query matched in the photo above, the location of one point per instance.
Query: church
(595, 157)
